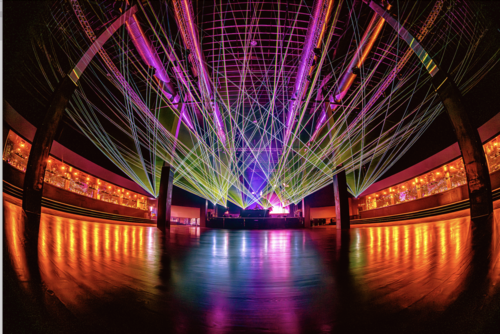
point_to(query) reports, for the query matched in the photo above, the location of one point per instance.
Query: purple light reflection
(251, 277)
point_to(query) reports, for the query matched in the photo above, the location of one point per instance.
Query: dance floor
(437, 276)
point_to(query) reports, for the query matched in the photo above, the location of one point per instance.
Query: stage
(256, 223)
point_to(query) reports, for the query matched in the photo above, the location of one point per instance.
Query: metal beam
(203, 213)
(476, 168)
(150, 56)
(189, 32)
(42, 144)
(364, 48)
(315, 31)
(97, 44)
(45, 134)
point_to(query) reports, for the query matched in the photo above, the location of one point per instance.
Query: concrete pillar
(306, 213)
(341, 201)
(165, 197)
(35, 172)
(203, 214)
(476, 167)
(42, 143)
(291, 209)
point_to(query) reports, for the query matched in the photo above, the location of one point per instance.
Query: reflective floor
(433, 277)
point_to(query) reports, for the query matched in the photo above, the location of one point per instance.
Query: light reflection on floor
(412, 263)
(221, 281)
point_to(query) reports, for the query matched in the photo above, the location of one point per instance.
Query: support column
(35, 172)
(165, 197)
(216, 211)
(471, 147)
(476, 167)
(291, 209)
(306, 213)
(42, 143)
(341, 201)
(45, 134)
(203, 214)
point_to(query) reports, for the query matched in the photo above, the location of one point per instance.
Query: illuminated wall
(62, 175)
(438, 180)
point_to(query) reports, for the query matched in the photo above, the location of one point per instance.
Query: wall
(444, 198)
(328, 211)
(20, 125)
(486, 132)
(318, 200)
(323, 212)
(185, 212)
(451, 196)
(16, 178)
(184, 203)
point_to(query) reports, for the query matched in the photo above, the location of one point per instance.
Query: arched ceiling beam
(315, 30)
(476, 166)
(351, 72)
(151, 58)
(189, 32)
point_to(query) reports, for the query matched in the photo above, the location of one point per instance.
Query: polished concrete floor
(437, 276)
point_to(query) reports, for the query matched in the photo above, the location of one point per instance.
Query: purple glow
(184, 13)
(305, 63)
(152, 59)
(185, 116)
(218, 122)
(149, 54)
